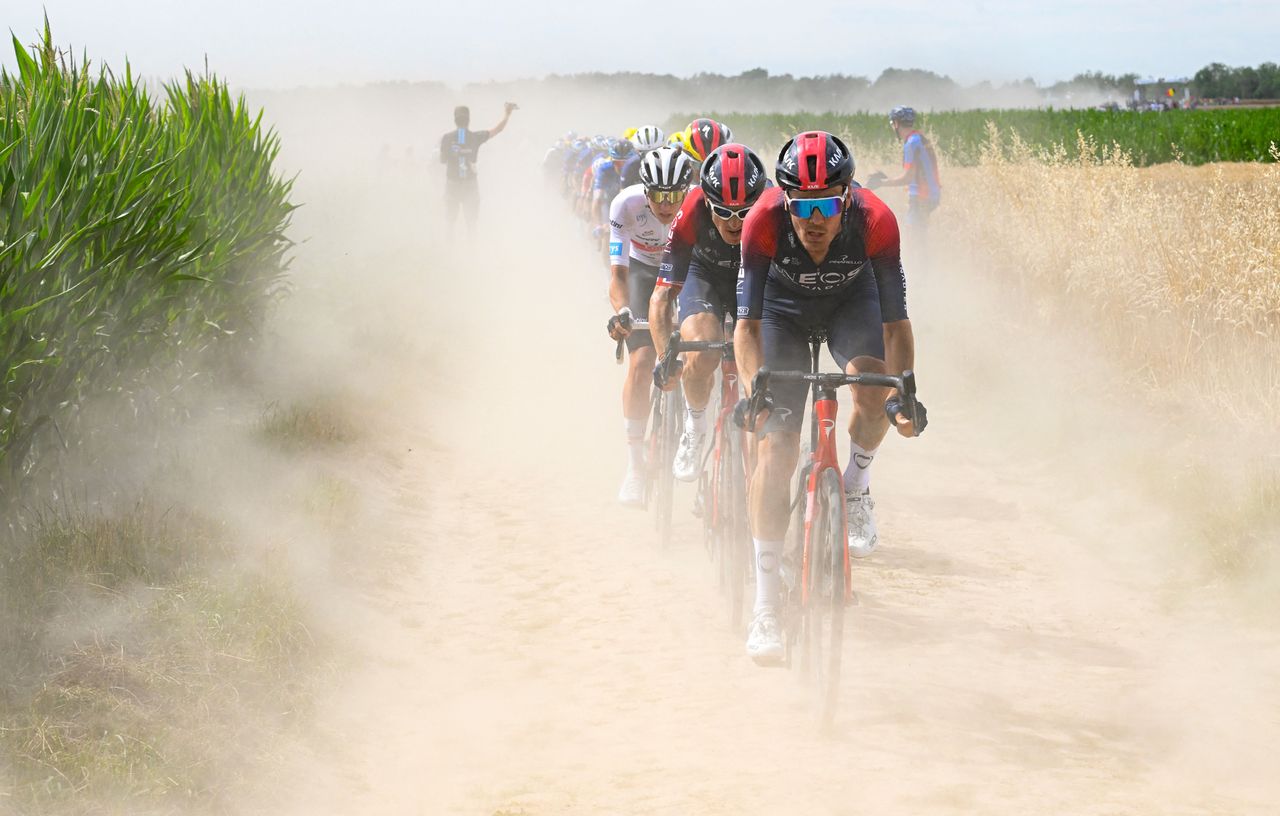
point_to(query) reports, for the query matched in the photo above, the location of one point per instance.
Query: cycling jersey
(631, 170)
(605, 178)
(694, 237)
(634, 231)
(921, 164)
(772, 252)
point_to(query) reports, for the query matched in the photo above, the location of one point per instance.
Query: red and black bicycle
(722, 489)
(820, 589)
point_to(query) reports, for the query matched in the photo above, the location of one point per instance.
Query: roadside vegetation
(147, 662)
(964, 137)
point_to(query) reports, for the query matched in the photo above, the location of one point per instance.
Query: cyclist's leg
(702, 308)
(856, 341)
(786, 348)
(641, 358)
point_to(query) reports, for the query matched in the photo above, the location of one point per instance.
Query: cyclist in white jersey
(639, 223)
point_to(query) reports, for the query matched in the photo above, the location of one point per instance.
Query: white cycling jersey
(634, 231)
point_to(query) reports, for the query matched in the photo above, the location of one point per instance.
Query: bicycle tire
(823, 613)
(733, 532)
(672, 423)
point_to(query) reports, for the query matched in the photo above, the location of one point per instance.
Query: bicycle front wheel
(670, 424)
(824, 607)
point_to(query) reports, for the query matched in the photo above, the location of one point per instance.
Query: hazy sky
(282, 43)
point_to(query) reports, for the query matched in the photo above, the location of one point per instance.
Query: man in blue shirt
(458, 151)
(919, 170)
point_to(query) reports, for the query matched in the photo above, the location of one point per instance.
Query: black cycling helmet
(733, 176)
(814, 160)
(903, 114)
(621, 149)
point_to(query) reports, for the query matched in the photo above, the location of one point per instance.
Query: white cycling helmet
(666, 168)
(649, 137)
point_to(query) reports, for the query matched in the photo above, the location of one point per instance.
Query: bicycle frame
(822, 428)
(823, 457)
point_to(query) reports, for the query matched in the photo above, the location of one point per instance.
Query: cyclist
(705, 135)
(649, 137)
(818, 254)
(919, 170)
(639, 223)
(606, 181)
(701, 264)
(599, 150)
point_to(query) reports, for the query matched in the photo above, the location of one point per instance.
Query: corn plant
(134, 233)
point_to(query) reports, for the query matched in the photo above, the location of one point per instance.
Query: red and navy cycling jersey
(694, 238)
(868, 240)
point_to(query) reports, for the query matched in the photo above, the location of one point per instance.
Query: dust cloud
(1027, 638)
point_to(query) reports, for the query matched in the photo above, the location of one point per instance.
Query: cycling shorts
(641, 278)
(851, 322)
(705, 291)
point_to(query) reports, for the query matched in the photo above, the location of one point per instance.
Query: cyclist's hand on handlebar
(742, 412)
(667, 381)
(899, 412)
(619, 325)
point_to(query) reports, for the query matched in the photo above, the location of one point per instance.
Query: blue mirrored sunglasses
(803, 208)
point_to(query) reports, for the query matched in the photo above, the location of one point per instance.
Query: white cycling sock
(768, 578)
(634, 429)
(695, 421)
(857, 476)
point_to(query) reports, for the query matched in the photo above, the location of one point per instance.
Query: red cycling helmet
(705, 135)
(733, 176)
(814, 161)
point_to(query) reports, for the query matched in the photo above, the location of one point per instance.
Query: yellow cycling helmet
(630, 133)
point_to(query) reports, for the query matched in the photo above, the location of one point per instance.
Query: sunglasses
(666, 196)
(726, 213)
(804, 208)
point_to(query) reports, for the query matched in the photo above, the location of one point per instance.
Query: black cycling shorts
(853, 326)
(641, 278)
(705, 291)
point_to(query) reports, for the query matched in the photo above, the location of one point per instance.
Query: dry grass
(1178, 267)
(1174, 272)
(142, 671)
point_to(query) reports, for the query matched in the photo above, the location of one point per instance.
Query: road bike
(722, 487)
(666, 422)
(816, 561)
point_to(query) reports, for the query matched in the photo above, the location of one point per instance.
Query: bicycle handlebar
(761, 400)
(633, 324)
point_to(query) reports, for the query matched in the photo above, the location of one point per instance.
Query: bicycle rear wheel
(822, 632)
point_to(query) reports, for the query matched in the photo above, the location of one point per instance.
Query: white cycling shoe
(860, 520)
(764, 638)
(688, 461)
(631, 494)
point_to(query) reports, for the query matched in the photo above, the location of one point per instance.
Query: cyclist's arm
(748, 351)
(899, 346)
(619, 255)
(660, 322)
(673, 270)
(759, 243)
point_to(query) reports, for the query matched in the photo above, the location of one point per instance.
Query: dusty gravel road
(1027, 639)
